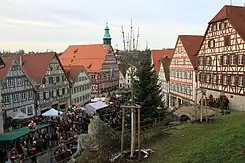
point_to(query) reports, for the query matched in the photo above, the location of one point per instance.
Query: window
(214, 27)
(208, 60)
(30, 110)
(23, 110)
(11, 82)
(41, 95)
(240, 81)
(50, 80)
(30, 95)
(60, 92)
(16, 97)
(46, 95)
(200, 60)
(233, 80)
(54, 79)
(208, 78)
(240, 59)
(214, 78)
(219, 79)
(233, 59)
(225, 80)
(225, 60)
(211, 43)
(184, 61)
(23, 96)
(19, 82)
(6, 99)
(227, 40)
(57, 79)
(54, 93)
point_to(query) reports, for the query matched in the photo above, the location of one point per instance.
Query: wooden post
(206, 109)
(201, 111)
(139, 148)
(123, 128)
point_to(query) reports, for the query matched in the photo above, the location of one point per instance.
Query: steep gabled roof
(235, 15)
(8, 61)
(123, 68)
(36, 65)
(90, 56)
(166, 61)
(191, 44)
(1, 63)
(158, 54)
(73, 72)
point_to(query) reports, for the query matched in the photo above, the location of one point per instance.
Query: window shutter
(204, 78)
(221, 60)
(228, 80)
(243, 58)
(204, 60)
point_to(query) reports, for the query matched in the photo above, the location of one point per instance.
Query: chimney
(21, 62)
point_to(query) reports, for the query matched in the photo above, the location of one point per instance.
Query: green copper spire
(107, 36)
(107, 32)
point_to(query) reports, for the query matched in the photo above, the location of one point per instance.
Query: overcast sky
(55, 24)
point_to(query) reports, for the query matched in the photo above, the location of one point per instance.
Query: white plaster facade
(81, 89)
(122, 81)
(130, 70)
(165, 85)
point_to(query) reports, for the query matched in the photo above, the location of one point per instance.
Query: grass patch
(222, 141)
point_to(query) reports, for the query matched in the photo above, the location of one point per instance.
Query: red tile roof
(235, 15)
(158, 54)
(192, 44)
(1, 63)
(73, 72)
(8, 61)
(36, 65)
(90, 56)
(166, 61)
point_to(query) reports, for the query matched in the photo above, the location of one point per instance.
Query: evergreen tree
(148, 91)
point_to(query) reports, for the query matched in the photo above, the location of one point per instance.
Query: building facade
(50, 79)
(18, 92)
(164, 78)
(80, 85)
(183, 70)
(99, 61)
(2, 65)
(129, 74)
(221, 57)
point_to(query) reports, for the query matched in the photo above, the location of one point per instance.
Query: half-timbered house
(80, 85)
(50, 79)
(164, 78)
(183, 70)
(222, 56)
(99, 61)
(18, 92)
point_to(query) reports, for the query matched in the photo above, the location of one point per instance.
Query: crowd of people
(61, 130)
(60, 135)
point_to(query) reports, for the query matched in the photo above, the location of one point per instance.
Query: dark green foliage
(148, 90)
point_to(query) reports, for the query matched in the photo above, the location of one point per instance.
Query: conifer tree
(148, 92)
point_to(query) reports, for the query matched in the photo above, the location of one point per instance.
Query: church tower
(107, 36)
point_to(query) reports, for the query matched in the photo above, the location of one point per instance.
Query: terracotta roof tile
(192, 44)
(158, 54)
(36, 65)
(1, 63)
(8, 61)
(235, 15)
(73, 72)
(90, 56)
(166, 61)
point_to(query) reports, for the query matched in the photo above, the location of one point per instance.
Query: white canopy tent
(18, 115)
(52, 113)
(91, 108)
